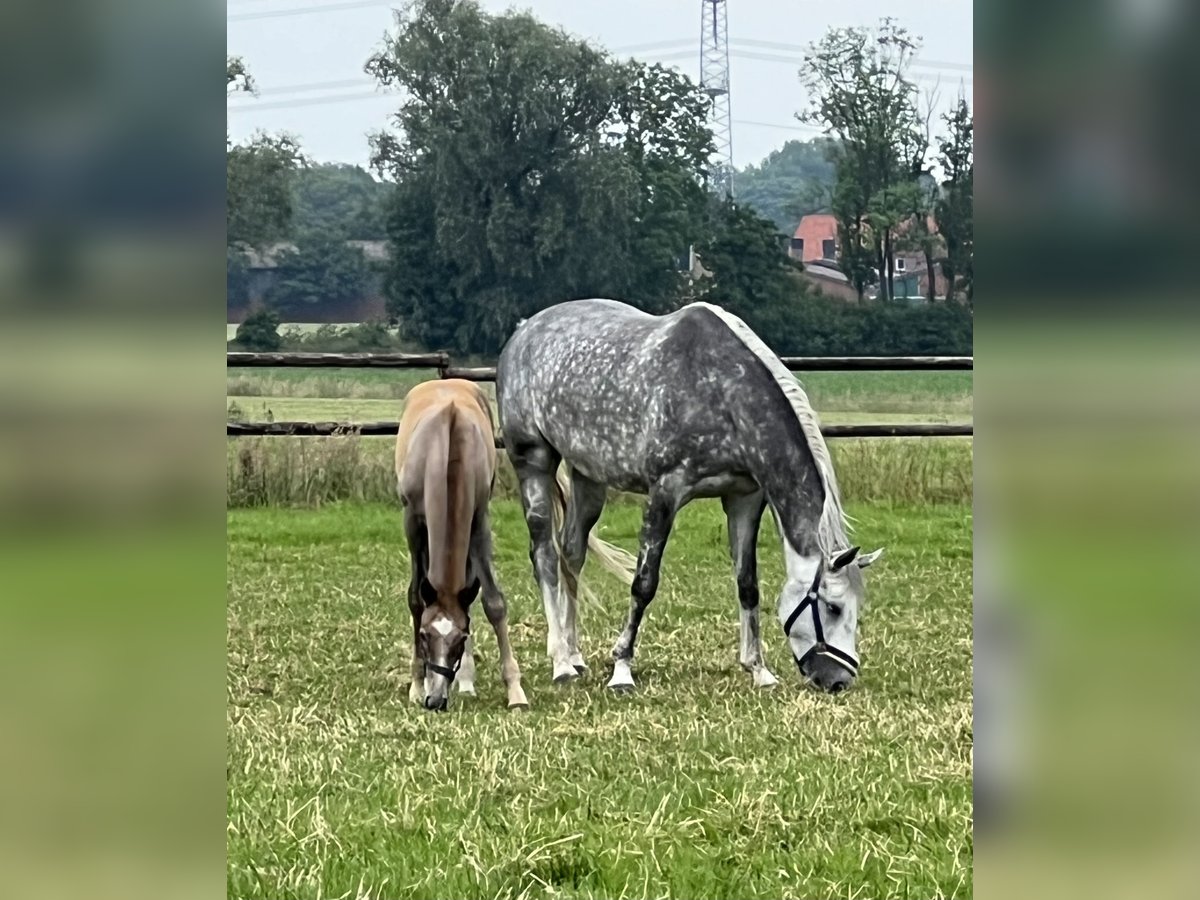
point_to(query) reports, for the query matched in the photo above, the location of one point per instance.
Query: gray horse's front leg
(743, 515)
(656, 528)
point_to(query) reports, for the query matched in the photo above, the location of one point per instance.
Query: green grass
(695, 785)
(925, 394)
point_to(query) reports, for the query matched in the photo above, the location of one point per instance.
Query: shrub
(259, 331)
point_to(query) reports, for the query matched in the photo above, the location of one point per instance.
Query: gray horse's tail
(617, 562)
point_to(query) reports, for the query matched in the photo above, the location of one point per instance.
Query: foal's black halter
(844, 659)
(445, 671)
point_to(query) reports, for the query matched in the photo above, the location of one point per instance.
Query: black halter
(445, 671)
(845, 660)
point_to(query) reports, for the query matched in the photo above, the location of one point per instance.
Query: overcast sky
(309, 66)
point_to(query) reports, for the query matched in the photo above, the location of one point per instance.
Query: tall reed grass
(312, 471)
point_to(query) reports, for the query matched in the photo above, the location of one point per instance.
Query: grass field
(695, 785)
(945, 395)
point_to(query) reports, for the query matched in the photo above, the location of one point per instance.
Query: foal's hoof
(578, 663)
(516, 698)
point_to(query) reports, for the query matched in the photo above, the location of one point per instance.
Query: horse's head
(442, 639)
(820, 619)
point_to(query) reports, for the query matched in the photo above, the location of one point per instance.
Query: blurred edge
(111, 467)
(1086, 449)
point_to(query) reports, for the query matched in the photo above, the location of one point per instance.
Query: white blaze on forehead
(442, 625)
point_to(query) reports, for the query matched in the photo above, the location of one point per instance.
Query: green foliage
(322, 269)
(751, 274)
(795, 180)
(259, 331)
(259, 189)
(815, 325)
(531, 169)
(366, 337)
(955, 210)
(237, 277)
(333, 198)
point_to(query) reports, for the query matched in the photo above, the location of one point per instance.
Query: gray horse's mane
(833, 527)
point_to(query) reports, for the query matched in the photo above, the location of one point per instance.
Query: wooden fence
(445, 368)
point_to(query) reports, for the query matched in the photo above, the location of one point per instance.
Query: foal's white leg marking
(622, 676)
(466, 673)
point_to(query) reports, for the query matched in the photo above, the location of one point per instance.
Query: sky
(308, 65)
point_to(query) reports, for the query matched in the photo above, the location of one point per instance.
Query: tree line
(526, 167)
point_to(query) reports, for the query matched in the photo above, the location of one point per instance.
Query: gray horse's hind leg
(535, 467)
(583, 511)
(743, 515)
(661, 508)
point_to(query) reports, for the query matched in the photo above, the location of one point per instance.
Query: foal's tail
(612, 559)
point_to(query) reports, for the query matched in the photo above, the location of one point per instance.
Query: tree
(258, 189)
(795, 180)
(752, 276)
(322, 269)
(530, 168)
(864, 98)
(334, 197)
(237, 76)
(258, 173)
(955, 209)
(259, 331)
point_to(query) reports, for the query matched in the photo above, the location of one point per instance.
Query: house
(816, 238)
(261, 266)
(815, 244)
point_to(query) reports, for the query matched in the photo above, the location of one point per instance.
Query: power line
(308, 101)
(306, 10)
(781, 45)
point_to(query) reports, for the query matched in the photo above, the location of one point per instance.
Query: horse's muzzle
(829, 675)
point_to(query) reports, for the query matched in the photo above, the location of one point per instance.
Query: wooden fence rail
(446, 369)
(443, 364)
(375, 429)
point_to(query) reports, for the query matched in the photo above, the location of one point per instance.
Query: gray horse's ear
(867, 558)
(843, 559)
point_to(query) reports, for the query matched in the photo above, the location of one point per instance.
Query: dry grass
(695, 785)
(312, 471)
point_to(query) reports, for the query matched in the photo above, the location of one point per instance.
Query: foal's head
(442, 639)
(821, 619)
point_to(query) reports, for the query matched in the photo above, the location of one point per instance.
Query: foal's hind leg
(414, 530)
(743, 515)
(497, 611)
(535, 465)
(583, 511)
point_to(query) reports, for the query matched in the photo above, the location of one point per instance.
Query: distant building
(815, 243)
(372, 306)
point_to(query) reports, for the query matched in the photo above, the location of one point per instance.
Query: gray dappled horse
(686, 405)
